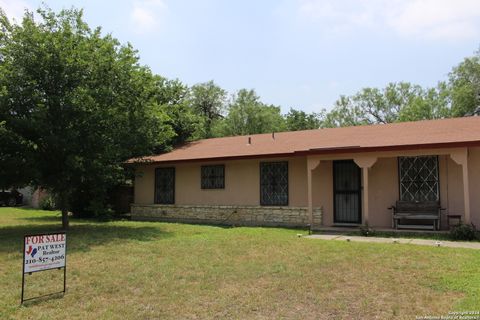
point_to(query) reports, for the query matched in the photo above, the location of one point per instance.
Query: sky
(302, 54)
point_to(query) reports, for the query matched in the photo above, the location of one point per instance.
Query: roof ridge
(337, 128)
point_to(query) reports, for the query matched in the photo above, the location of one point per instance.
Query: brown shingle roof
(406, 135)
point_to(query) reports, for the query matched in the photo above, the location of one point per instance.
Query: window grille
(419, 178)
(274, 183)
(213, 177)
(165, 185)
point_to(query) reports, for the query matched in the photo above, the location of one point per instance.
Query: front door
(346, 192)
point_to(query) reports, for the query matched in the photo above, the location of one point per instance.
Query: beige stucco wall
(242, 183)
(322, 189)
(451, 186)
(384, 191)
(474, 179)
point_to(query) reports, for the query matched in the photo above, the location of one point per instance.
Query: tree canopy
(73, 103)
(300, 120)
(248, 115)
(464, 81)
(179, 122)
(396, 102)
(208, 101)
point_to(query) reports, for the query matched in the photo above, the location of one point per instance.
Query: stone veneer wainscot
(227, 215)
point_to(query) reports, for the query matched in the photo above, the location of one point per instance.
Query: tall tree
(345, 113)
(426, 104)
(300, 120)
(172, 107)
(464, 82)
(78, 101)
(208, 100)
(248, 115)
(396, 102)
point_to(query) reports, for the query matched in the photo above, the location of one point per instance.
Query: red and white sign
(44, 252)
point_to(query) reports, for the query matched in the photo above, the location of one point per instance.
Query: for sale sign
(44, 252)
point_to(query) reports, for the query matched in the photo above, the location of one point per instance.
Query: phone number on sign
(45, 259)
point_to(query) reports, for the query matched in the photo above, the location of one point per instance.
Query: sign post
(42, 252)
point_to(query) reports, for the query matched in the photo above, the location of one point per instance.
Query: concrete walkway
(423, 242)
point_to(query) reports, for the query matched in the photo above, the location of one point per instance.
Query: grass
(143, 270)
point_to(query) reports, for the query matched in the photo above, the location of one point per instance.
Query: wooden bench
(416, 211)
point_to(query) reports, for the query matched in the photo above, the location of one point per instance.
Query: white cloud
(147, 15)
(438, 19)
(423, 19)
(336, 12)
(14, 9)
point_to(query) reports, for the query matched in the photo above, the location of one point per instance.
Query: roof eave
(318, 151)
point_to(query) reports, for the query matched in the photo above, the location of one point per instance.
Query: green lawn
(142, 270)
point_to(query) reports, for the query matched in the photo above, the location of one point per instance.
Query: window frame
(437, 163)
(204, 187)
(262, 200)
(155, 200)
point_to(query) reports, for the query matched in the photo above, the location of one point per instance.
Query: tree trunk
(64, 219)
(64, 208)
(208, 128)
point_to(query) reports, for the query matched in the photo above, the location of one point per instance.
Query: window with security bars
(274, 183)
(213, 177)
(419, 178)
(165, 185)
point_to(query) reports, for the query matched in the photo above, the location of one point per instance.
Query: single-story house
(349, 176)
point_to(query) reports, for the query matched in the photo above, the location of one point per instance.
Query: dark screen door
(347, 192)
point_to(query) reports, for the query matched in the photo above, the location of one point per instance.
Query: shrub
(100, 210)
(48, 203)
(464, 232)
(366, 231)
